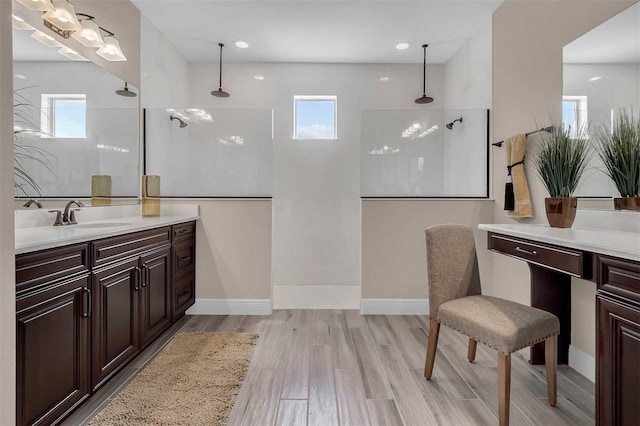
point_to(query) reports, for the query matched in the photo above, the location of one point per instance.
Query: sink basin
(101, 225)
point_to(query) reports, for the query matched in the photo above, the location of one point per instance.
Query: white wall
(7, 252)
(619, 87)
(528, 37)
(111, 143)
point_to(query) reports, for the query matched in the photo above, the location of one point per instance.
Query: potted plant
(619, 150)
(561, 161)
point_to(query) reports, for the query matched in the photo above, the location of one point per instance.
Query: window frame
(581, 112)
(315, 98)
(48, 114)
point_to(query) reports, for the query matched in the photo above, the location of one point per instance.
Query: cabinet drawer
(184, 231)
(39, 268)
(183, 258)
(619, 277)
(117, 248)
(557, 258)
(183, 296)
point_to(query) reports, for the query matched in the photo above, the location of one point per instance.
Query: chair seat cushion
(504, 325)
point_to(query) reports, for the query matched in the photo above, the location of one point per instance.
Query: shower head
(450, 125)
(182, 123)
(126, 92)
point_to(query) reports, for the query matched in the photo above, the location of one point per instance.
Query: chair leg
(504, 388)
(432, 346)
(551, 362)
(471, 352)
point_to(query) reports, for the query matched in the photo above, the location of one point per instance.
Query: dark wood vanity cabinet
(53, 347)
(84, 311)
(618, 342)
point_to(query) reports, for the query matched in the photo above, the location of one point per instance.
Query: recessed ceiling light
(402, 46)
(241, 44)
(258, 77)
(596, 78)
(385, 78)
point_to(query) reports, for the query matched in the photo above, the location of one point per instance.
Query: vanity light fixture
(258, 77)
(596, 78)
(385, 78)
(111, 50)
(42, 5)
(62, 19)
(424, 99)
(220, 93)
(71, 54)
(20, 24)
(89, 35)
(45, 39)
(241, 44)
(402, 46)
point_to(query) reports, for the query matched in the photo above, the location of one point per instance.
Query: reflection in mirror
(602, 77)
(70, 124)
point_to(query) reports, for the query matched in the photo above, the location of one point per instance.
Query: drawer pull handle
(185, 258)
(89, 309)
(531, 252)
(182, 231)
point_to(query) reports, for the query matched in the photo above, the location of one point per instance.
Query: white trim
(582, 362)
(316, 296)
(394, 307)
(231, 307)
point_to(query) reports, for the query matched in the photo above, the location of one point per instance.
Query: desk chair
(455, 300)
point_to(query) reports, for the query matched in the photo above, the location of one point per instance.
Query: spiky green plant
(619, 150)
(25, 124)
(562, 160)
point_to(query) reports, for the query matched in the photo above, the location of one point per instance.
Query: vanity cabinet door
(618, 346)
(115, 328)
(155, 300)
(53, 351)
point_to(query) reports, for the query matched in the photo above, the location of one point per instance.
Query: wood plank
(376, 385)
(340, 338)
(292, 412)
(411, 405)
(277, 341)
(384, 412)
(263, 405)
(296, 376)
(352, 404)
(323, 408)
(475, 412)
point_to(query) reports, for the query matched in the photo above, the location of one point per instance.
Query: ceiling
(336, 31)
(615, 41)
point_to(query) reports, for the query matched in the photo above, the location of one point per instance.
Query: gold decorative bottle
(100, 190)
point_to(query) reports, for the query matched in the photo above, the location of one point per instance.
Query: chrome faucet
(69, 217)
(32, 201)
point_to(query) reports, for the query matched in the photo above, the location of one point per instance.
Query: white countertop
(612, 242)
(34, 238)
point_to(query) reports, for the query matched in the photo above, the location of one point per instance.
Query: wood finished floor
(336, 367)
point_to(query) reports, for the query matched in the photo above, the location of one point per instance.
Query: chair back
(452, 264)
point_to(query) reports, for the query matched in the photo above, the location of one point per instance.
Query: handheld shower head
(450, 125)
(182, 123)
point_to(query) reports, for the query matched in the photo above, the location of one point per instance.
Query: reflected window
(314, 117)
(64, 116)
(574, 113)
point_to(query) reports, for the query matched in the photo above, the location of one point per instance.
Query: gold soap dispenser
(150, 195)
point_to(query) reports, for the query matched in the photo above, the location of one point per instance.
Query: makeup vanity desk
(611, 259)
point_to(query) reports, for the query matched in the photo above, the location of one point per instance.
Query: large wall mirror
(69, 123)
(601, 79)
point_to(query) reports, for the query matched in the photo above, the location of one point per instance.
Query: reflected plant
(620, 152)
(24, 125)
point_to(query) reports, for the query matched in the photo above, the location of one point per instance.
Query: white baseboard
(394, 307)
(230, 307)
(582, 362)
(316, 296)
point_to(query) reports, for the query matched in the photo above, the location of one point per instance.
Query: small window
(314, 117)
(64, 116)
(574, 113)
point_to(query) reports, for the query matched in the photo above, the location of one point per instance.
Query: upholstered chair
(455, 300)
